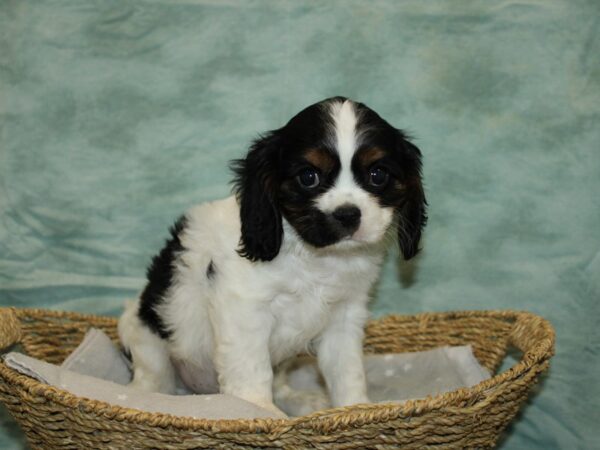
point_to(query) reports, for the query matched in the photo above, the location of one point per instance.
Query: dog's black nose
(347, 215)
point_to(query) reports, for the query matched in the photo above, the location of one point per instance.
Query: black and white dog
(283, 266)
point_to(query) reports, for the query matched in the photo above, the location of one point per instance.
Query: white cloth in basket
(98, 370)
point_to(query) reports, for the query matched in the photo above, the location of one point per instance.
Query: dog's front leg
(340, 355)
(242, 357)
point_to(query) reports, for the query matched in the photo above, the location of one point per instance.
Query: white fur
(344, 119)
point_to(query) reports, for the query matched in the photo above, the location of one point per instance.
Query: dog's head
(339, 174)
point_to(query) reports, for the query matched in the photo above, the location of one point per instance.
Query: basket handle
(530, 331)
(10, 328)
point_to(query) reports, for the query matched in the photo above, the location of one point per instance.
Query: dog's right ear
(413, 212)
(256, 185)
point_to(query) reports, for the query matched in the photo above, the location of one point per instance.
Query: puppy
(285, 265)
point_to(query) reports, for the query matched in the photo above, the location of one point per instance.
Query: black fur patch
(160, 276)
(127, 353)
(210, 271)
(256, 181)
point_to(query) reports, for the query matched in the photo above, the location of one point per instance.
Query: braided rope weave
(465, 418)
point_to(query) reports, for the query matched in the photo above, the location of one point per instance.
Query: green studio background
(115, 116)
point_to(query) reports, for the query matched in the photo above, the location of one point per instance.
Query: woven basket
(465, 418)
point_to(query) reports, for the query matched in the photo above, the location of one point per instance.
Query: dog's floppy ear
(256, 185)
(412, 214)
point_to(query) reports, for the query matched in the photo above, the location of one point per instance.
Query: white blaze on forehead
(344, 122)
(345, 138)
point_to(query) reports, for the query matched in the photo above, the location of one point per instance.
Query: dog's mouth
(354, 235)
(322, 230)
(349, 237)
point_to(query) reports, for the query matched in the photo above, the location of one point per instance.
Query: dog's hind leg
(152, 367)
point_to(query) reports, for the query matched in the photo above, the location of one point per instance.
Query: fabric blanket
(117, 115)
(99, 371)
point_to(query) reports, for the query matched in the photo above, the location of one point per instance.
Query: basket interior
(489, 336)
(53, 336)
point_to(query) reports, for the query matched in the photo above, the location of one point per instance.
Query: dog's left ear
(412, 214)
(256, 185)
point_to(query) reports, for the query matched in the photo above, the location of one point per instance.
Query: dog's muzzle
(346, 218)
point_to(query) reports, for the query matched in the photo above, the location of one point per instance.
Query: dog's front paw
(152, 384)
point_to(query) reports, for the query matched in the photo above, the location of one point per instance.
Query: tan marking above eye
(320, 159)
(370, 155)
(399, 186)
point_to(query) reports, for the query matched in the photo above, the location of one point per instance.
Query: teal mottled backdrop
(115, 116)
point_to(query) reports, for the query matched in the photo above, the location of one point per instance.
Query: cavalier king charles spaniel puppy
(285, 265)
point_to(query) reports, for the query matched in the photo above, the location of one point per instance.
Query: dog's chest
(307, 298)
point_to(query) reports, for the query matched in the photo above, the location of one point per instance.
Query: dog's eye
(309, 178)
(378, 177)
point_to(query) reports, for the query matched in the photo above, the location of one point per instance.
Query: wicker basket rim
(537, 355)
